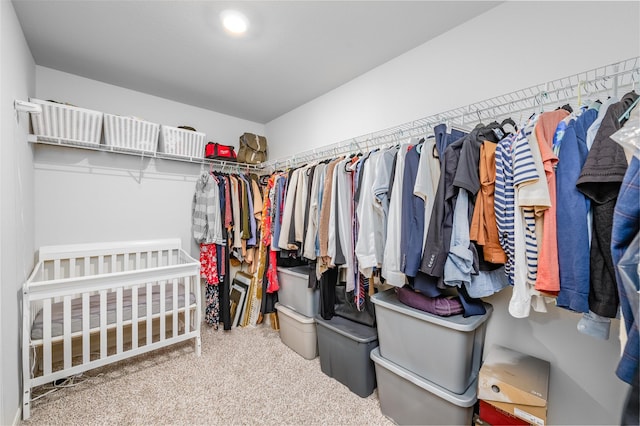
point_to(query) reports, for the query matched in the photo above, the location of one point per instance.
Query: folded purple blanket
(442, 306)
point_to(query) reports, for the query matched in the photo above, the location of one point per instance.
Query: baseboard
(18, 417)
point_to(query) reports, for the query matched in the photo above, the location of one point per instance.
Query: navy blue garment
(572, 208)
(436, 248)
(444, 139)
(412, 224)
(471, 306)
(425, 284)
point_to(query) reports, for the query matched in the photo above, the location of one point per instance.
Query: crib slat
(119, 320)
(87, 266)
(137, 264)
(100, 265)
(163, 317)
(134, 317)
(46, 335)
(114, 259)
(175, 307)
(72, 267)
(125, 262)
(187, 302)
(149, 257)
(56, 269)
(148, 313)
(66, 312)
(86, 326)
(103, 322)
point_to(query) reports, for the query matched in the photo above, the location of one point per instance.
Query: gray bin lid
(467, 399)
(285, 310)
(388, 299)
(351, 329)
(301, 271)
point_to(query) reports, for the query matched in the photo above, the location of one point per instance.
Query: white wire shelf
(219, 165)
(612, 78)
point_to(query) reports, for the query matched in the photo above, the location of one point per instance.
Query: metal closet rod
(583, 86)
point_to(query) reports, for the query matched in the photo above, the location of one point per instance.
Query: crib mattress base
(57, 312)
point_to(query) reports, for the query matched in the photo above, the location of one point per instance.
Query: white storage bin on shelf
(67, 122)
(130, 133)
(181, 142)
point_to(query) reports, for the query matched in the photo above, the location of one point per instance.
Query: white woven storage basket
(181, 142)
(67, 122)
(130, 133)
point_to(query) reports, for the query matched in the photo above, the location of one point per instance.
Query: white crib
(85, 306)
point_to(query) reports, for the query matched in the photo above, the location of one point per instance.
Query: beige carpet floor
(245, 376)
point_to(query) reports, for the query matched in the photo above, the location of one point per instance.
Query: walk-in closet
(319, 212)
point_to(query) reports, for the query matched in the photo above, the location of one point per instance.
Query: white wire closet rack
(584, 86)
(218, 165)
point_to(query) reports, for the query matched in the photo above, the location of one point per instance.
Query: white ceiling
(294, 51)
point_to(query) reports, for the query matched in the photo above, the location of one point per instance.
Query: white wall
(513, 46)
(92, 94)
(86, 196)
(17, 81)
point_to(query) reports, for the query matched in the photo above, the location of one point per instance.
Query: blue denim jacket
(626, 224)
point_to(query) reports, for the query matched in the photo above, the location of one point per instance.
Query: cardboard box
(515, 383)
(492, 415)
(531, 414)
(513, 377)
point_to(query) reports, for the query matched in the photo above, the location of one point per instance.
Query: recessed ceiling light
(234, 21)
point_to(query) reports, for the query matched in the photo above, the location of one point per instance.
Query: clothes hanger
(627, 113)
(509, 120)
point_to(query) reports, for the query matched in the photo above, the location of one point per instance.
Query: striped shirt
(504, 203)
(515, 168)
(524, 173)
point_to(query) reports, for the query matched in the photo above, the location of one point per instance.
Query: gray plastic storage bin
(298, 332)
(408, 399)
(294, 290)
(444, 350)
(344, 348)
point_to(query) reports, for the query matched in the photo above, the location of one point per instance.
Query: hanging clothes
(483, 229)
(548, 275)
(311, 237)
(325, 212)
(412, 216)
(572, 211)
(287, 234)
(624, 244)
(391, 267)
(344, 212)
(600, 181)
(427, 183)
(438, 241)
(369, 246)
(209, 271)
(207, 225)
